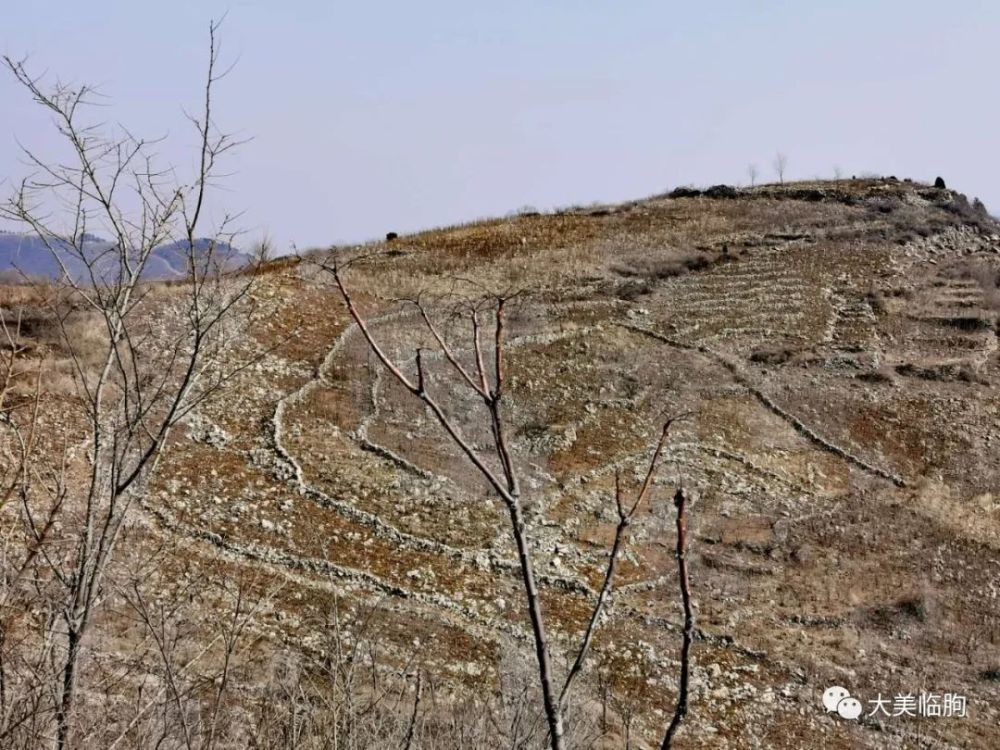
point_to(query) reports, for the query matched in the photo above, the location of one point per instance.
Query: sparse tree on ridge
(780, 162)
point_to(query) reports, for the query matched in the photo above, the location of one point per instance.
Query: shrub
(772, 355)
(876, 301)
(633, 289)
(722, 191)
(875, 376)
(658, 268)
(913, 606)
(684, 192)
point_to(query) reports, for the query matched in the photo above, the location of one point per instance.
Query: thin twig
(410, 730)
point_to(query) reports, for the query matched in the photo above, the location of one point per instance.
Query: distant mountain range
(28, 255)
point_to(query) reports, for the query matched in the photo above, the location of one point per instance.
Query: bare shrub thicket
(139, 362)
(488, 384)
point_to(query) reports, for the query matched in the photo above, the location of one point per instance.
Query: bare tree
(151, 369)
(490, 388)
(779, 163)
(752, 174)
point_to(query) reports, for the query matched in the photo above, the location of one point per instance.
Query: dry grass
(801, 562)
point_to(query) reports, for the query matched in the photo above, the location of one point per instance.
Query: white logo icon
(849, 708)
(838, 700)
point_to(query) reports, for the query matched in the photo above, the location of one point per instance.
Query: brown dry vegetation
(770, 313)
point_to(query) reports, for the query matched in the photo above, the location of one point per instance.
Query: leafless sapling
(780, 163)
(490, 387)
(151, 368)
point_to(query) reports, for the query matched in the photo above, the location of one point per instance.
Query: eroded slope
(838, 344)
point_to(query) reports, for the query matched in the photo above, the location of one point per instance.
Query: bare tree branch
(680, 711)
(625, 516)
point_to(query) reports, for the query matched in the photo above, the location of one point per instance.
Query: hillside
(837, 343)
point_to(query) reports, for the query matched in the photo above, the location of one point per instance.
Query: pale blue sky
(377, 116)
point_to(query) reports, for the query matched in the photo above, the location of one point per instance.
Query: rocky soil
(838, 345)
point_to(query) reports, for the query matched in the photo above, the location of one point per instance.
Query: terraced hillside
(837, 343)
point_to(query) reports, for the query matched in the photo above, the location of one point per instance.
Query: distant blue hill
(28, 255)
